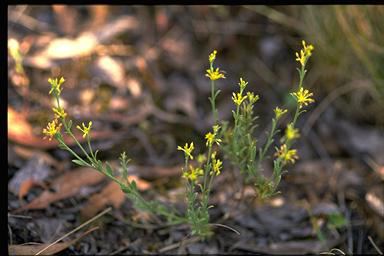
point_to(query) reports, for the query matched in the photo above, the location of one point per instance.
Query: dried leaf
(65, 186)
(34, 171)
(111, 194)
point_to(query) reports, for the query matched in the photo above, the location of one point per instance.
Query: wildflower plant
(237, 143)
(53, 130)
(241, 147)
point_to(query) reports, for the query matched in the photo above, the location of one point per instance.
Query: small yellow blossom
(305, 53)
(287, 155)
(201, 158)
(279, 112)
(56, 85)
(59, 112)
(252, 97)
(217, 165)
(291, 132)
(187, 149)
(193, 173)
(238, 98)
(210, 137)
(212, 56)
(214, 74)
(303, 97)
(52, 128)
(242, 84)
(85, 129)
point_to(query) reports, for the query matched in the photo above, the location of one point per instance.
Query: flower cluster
(216, 163)
(238, 98)
(211, 72)
(252, 97)
(56, 85)
(193, 173)
(305, 53)
(52, 129)
(59, 112)
(279, 112)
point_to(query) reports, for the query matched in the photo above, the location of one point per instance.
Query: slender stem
(72, 152)
(213, 99)
(89, 146)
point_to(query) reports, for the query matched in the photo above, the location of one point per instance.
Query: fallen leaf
(65, 186)
(111, 194)
(33, 249)
(34, 171)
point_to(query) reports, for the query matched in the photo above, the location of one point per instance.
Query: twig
(76, 229)
(225, 226)
(374, 245)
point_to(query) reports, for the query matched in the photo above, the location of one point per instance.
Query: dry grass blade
(73, 231)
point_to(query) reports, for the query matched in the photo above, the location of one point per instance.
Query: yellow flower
(287, 155)
(210, 138)
(291, 132)
(85, 129)
(193, 173)
(187, 149)
(59, 112)
(279, 112)
(242, 84)
(217, 165)
(252, 97)
(212, 56)
(238, 98)
(56, 85)
(303, 97)
(214, 74)
(305, 53)
(52, 128)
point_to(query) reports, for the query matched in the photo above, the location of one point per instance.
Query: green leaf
(108, 169)
(133, 185)
(125, 189)
(81, 163)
